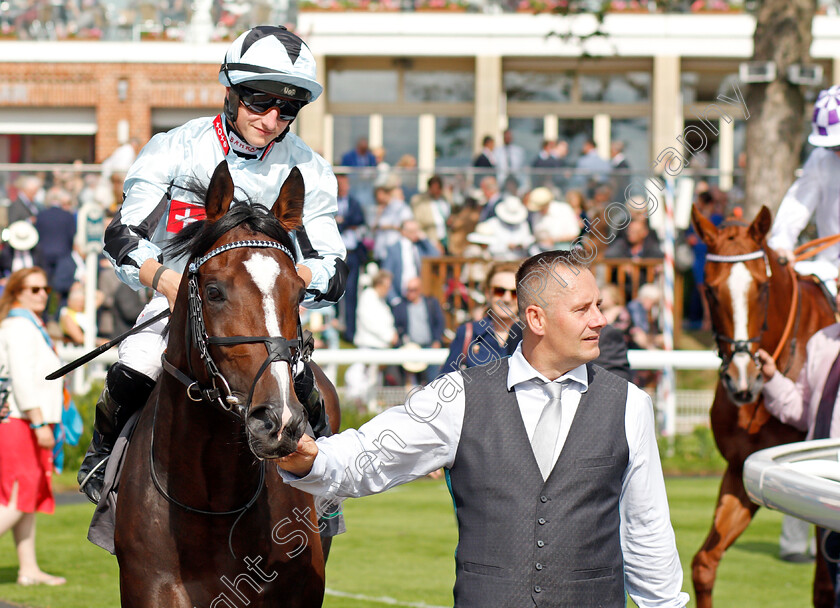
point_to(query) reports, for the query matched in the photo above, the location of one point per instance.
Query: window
(363, 86)
(538, 86)
(439, 86)
(629, 87)
(453, 141)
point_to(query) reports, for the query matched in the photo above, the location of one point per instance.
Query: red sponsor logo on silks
(183, 214)
(220, 133)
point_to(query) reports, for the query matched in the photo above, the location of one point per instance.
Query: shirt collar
(519, 371)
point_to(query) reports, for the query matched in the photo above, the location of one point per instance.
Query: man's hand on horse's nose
(768, 366)
(301, 460)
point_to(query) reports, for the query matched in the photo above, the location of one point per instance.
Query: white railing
(692, 406)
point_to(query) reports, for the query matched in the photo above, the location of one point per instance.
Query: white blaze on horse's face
(739, 282)
(264, 271)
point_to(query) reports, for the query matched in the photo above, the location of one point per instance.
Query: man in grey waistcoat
(552, 462)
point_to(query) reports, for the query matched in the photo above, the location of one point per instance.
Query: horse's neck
(197, 444)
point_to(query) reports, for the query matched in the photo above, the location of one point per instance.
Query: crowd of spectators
(511, 204)
(388, 228)
(124, 19)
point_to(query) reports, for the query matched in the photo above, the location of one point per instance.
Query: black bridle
(217, 391)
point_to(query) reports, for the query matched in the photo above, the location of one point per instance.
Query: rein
(218, 392)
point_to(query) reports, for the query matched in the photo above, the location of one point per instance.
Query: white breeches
(141, 351)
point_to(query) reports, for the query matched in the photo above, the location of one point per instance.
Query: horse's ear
(705, 229)
(219, 194)
(761, 224)
(288, 208)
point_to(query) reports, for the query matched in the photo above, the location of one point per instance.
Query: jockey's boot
(125, 392)
(310, 397)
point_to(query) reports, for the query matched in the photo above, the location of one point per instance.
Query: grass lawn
(400, 546)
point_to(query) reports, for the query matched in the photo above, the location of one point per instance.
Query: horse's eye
(214, 294)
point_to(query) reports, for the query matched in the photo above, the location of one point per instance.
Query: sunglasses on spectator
(37, 289)
(260, 103)
(501, 291)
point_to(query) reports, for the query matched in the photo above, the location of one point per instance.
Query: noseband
(740, 346)
(218, 391)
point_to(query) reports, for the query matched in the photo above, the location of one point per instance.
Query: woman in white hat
(20, 248)
(513, 234)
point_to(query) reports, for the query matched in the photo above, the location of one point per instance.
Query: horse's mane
(198, 237)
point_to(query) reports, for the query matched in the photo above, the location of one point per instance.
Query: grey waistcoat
(525, 542)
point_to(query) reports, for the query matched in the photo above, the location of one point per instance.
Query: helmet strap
(283, 134)
(231, 107)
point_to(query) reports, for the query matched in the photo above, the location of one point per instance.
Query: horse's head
(737, 288)
(243, 331)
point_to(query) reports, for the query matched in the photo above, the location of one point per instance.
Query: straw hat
(539, 199)
(21, 235)
(484, 234)
(413, 367)
(511, 210)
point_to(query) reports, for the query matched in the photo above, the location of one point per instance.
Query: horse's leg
(733, 514)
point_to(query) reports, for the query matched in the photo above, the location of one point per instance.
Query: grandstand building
(430, 84)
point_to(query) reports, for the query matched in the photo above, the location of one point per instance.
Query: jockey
(269, 75)
(817, 190)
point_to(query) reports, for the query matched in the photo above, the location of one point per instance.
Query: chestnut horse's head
(243, 335)
(737, 288)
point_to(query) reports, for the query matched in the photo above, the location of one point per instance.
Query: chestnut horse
(202, 518)
(751, 300)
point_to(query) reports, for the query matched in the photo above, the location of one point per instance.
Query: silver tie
(548, 429)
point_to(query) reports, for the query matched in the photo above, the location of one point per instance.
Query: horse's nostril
(262, 420)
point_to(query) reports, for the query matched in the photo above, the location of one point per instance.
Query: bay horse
(750, 293)
(203, 518)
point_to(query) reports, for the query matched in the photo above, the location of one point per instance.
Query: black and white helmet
(273, 60)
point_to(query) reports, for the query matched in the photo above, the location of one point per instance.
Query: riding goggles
(260, 103)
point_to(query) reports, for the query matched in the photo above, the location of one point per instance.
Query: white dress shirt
(409, 441)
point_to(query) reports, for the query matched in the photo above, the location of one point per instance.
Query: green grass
(400, 544)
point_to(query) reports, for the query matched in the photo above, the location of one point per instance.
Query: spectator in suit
(419, 320)
(593, 169)
(25, 207)
(403, 258)
(510, 160)
(485, 162)
(546, 164)
(431, 210)
(360, 156)
(58, 221)
(486, 159)
(391, 211)
(490, 191)
(620, 164)
(21, 249)
(351, 222)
